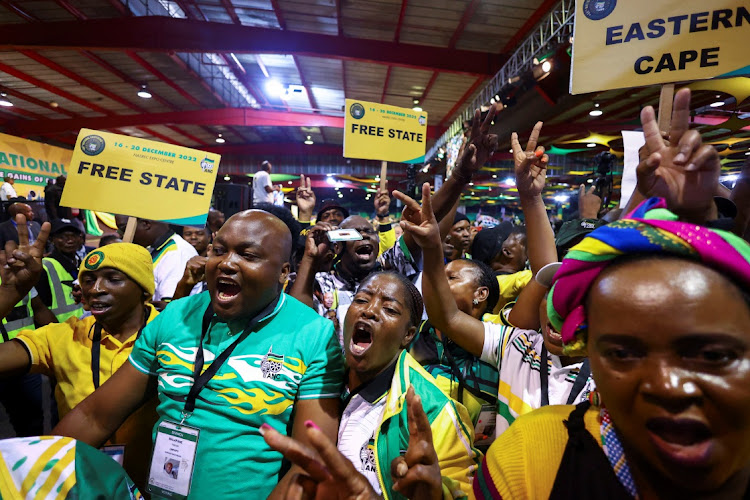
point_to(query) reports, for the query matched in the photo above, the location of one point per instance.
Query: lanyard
(580, 381)
(96, 348)
(201, 379)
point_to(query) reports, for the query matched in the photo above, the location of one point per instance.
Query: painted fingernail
(263, 428)
(679, 158)
(311, 425)
(539, 153)
(402, 469)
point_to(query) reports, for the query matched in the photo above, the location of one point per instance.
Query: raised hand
(680, 169)
(318, 247)
(530, 163)
(416, 474)
(419, 221)
(195, 270)
(589, 204)
(305, 198)
(480, 147)
(21, 264)
(328, 473)
(382, 203)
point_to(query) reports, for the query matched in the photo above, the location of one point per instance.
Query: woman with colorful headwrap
(661, 308)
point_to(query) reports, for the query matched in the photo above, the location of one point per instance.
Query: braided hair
(412, 296)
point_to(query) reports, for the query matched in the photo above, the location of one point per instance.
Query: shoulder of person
(301, 314)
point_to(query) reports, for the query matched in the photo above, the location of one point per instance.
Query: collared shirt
(63, 351)
(360, 422)
(291, 356)
(170, 255)
(7, 191)
(517, 355)
(32, 236)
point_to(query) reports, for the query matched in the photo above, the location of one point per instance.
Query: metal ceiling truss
(555, 28)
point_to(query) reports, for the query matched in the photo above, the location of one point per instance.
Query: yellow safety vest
(63, 304)
(12, 328)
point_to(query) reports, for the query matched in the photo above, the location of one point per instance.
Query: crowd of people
(425, 360)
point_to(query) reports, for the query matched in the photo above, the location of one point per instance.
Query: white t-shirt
(7, 192)
(260, 181)
(169, 266)
(359, 422)
(517, 355)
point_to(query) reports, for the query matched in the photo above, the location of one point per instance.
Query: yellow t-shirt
(63, 351)
(510, 287)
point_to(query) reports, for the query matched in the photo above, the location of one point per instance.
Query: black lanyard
(578, 384)
(96, 348)
(201, 379)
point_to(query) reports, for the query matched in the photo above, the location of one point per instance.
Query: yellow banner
(130, 176)
(374, 131)
(31, 164)
(633, 43)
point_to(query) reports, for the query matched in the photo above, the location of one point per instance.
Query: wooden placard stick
(383, 176)
(130, 230)
(665, 107)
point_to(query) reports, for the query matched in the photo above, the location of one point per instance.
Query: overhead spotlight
(542, 70)
(4, 100)
(290, 183)
(143, 92)
(717, 104)
(747, 154)
(492, 100)
(510, 181)
(220, 139)
(274, 88)
(330, 180)
(329, 175)
(596, 112)
(547, 66)
(377, 177)
(494, 176)
(591, 145)
(227, 178)
(471, 184)
(562, 198)
(53, 104)
(308, 141)
(514, 79)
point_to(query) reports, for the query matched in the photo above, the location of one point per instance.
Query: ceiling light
(377, 177)
(717, 104)
(418, 109)
(274, 88)
(492, 100)
(308, 141)
(494, 176)
(747, 154)
(510, 181)
(227, 178)
(144, 93)
(547, 66)
(596, 112)
(4, 100)
(290, 183)
(330, 180)
(53, 104)
(220, 139)
(471, 184)
(562, 198)
(591, 145)
(329, 175)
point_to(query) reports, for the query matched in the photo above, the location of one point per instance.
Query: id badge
(115, 451)
(484, 431)
(173, 460)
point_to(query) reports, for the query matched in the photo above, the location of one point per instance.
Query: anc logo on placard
(92, 145)
(94, 260)
(597, 10)
(357, 111)
(207, 165)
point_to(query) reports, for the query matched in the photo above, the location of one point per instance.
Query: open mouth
(364, 250)
(361, 338)
(227, 289)
(98, 308)
(552, 335)
(684, 441)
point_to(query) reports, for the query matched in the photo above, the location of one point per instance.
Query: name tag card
(173, 460)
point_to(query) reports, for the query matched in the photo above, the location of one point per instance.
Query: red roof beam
(465, 18)
(165, 34)
(400, 23)
(461, 102)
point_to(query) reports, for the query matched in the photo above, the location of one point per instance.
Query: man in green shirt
(267, 359)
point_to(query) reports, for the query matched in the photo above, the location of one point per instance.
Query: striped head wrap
(649, 229)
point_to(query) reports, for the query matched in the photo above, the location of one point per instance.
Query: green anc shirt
(60, 468)
(294, 355)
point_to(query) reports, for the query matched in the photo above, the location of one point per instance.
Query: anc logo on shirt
(92, 145)
(94, 260)
(367, 456)
(271, 364)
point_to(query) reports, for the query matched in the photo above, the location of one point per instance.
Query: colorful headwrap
(649, 229)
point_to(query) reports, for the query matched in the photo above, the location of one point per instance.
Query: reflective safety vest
(10, 329)
(61, 286)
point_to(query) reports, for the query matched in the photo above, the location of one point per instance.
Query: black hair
(522, 231)
(285, 215)
(412, 296)
(485, 277)
(108, 239)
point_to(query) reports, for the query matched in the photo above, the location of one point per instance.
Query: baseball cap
(59, 225)
(572, 229)
(331, 204)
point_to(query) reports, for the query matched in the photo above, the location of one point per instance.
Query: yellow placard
(31, 164)
(130, 176)
(374, 131)
(633, 43)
